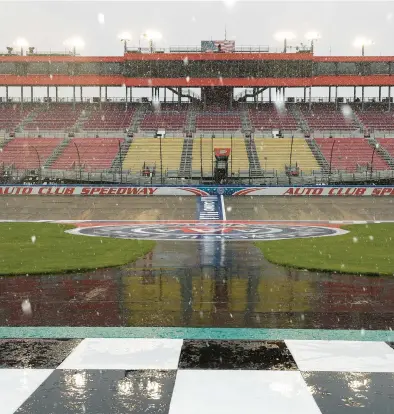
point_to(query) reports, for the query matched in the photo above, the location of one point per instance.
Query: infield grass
(366, 249)
(37, 248)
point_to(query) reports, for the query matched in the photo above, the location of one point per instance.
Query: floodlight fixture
(124, 37)
(284, 36)
(74, 43)
(312, 37)
(151, 35)
(362, 42)
(22, 43)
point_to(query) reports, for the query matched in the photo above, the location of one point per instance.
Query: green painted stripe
(195, 333)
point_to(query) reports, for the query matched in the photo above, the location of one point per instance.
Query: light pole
(331, 153)
(22, 43)
(74, 43)
(151, 35)
(120, 159)
(362, 42)
(312, 37)
(284, 36)
(125, 37)
(375, 147)
(39, 162)
(161, 162)
(79, 160)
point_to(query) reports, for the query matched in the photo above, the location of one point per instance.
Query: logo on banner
(206, 231)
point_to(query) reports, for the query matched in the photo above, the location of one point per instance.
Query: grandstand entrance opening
(221, 165)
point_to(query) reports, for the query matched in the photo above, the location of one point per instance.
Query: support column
(6, 93)
(310, 98)
(329, 94)
(336, 97)
(270, 95)
(354, 94)
(100, 97)
(304, 93)
(389, 98)
(284, 94)
(231, 99)
(21, 97)
(126, 96)
(106, 94)
(131, 94)
(31, 94)
(74, 97)
(179, 96)
(48, 96)
(81, 95)
(362, 98)
(380, 94)
(165, 95)
(56, 92)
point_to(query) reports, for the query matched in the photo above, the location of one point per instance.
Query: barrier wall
(89, 190)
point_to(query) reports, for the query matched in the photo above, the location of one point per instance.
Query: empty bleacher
(170, 121)
(60, 117)
(205, 147)
(350, 154)
(268, 117)
(88, 154)
(325, 117)
(376, 117)
(146, 152)
(216, 121)
(12, 115)
(28, 153)
(111, 117)
(274, 154)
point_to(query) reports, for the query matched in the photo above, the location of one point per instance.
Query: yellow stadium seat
(274, 154)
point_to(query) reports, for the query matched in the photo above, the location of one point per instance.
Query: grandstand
(112, 135)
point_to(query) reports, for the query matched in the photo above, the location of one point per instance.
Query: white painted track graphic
(207, 231)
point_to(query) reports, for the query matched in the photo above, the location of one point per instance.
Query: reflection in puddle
(207, 283)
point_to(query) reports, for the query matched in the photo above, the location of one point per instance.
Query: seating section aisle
(28, 153)
(57, 117)
(325, 117)
(12, 115)
(111, 117)
(350, 154)
(269, 116)
(146, 151)
(88, 154)
(274, 154)
(387, 144)
(218, 121)
(206, 147)
(170, 121)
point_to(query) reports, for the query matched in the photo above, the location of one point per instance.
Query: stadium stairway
(57, 152)
(320, 158)
(121, 155)
(190, 121)
(254, 162)
(382, 152)
(245, 119)
(185, 167)
(83, 117)
(29, 118)
(302, 123)
(138, 117)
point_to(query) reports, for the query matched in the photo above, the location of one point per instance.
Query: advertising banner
(131, 191)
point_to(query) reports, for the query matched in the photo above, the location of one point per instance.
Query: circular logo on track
(206, 231)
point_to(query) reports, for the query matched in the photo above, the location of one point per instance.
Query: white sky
(47, 24)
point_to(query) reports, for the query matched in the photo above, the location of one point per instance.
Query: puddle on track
(200, 284)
